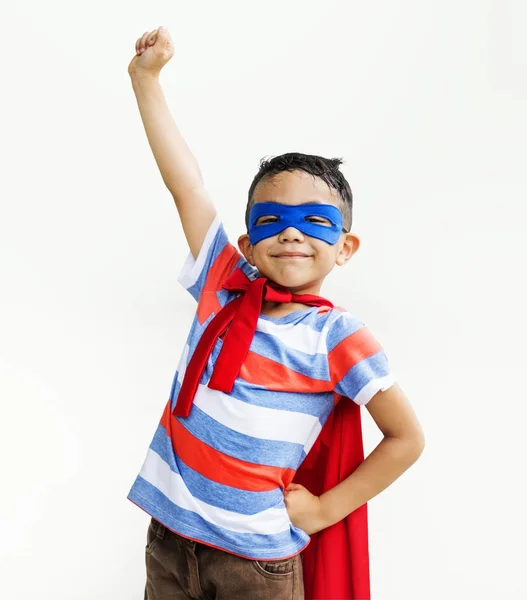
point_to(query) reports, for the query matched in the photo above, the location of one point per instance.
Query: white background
(426, 101)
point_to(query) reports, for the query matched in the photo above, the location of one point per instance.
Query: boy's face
(291, 258)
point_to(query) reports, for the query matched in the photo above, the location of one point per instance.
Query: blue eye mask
(321, 221)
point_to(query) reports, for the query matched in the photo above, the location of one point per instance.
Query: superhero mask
(321, 221)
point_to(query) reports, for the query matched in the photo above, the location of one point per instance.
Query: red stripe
(277, 377)
(219, 467)
(350, 351)
(220, 269)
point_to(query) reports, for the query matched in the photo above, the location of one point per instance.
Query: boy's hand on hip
(305, 509)
(152, 52)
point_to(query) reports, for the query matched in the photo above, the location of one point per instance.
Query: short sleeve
(357, 362)
(203, 277)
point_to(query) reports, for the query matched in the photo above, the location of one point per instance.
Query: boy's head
(291, 245)
(326, 169)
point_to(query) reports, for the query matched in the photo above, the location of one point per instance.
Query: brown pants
(179, 569)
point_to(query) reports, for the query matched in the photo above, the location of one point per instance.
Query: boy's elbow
(417, 444)
(416, 438)
(414, 445)
(421, 445)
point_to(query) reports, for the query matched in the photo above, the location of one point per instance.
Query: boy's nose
(291, 234)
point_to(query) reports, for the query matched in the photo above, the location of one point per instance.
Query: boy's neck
(282, 309)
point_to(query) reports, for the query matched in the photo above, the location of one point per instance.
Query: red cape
(336, 562)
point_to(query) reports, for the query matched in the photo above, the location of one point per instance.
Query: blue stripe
(287, 455)
(317, 405)
(310, 317)
(362, 373)
(248, 269)
(224, 296)
(211, 492)
(313, 366)
(191, 525)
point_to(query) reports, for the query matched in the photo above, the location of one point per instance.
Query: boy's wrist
(328, 514)
(139, 76)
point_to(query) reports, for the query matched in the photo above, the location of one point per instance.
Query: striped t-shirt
(218, 475)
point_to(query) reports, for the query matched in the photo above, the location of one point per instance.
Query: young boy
(266, 361)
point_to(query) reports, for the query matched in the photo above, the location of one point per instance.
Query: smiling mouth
(292, 255)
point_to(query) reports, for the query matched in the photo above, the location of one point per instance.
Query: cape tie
(242, 315)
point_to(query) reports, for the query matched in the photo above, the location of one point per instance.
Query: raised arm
(177, 164)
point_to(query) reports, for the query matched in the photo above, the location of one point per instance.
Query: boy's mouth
(291, 255)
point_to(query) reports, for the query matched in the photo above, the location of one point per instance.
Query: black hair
(326, 169)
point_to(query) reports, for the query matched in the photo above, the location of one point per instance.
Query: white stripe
(257, 421)
(312, 439)
(350, 321)
(192, 268)
(372, 387)
(182, 367)
(158, 473)
(298, 337)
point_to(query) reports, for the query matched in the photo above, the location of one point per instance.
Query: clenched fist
(152, 52)
(305, 510)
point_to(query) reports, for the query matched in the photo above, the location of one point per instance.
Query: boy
(266, 361)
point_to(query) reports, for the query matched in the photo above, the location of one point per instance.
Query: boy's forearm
(388, 461)
(178, 166)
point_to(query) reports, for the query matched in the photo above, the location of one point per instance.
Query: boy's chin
(292, 279)
(292, 282)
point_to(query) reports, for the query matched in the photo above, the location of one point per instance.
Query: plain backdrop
(426, 102)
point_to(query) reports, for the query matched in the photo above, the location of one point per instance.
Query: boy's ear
(245, 248)
(349, 245)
